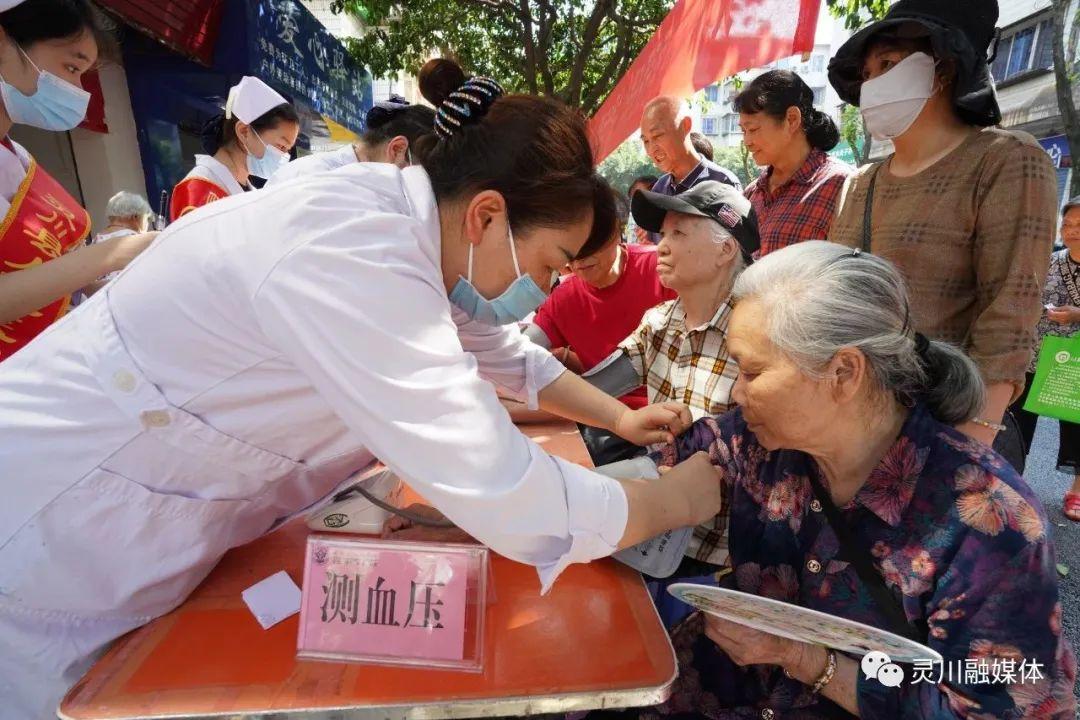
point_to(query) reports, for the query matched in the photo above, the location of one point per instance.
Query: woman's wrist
(806, 663)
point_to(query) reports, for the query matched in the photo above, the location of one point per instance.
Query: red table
(594, 641)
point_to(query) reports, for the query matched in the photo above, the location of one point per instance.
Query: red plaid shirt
(803, 207)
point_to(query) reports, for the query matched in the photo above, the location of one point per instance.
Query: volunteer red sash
(192, 193)
(43, 223)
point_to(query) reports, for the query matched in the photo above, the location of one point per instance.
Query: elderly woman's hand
(746, 646)
(659, 423)
(1064, 314)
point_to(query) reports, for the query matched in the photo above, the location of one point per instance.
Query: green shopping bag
(1055, 392)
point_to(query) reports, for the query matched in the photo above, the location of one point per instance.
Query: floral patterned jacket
(960, 540)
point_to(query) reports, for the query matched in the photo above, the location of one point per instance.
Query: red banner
(188, 26)
(95, 111)
(697, 44)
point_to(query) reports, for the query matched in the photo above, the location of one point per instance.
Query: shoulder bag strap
(868, 211)
(859, 557)
(1069, 278)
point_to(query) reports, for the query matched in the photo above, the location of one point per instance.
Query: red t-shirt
(593, 321)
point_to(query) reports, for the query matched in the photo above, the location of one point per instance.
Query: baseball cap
(711, 199)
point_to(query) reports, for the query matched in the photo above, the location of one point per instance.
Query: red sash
(192, 193)
(43, 223)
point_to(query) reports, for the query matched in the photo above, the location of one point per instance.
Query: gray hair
(126, 204)
(720, 235)
(821, 298)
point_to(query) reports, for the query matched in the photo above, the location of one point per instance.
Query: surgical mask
(56, 105)
(269, 163)
(513, 305)
(891, 102)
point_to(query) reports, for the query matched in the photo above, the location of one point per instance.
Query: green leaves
(576, 50)
(856, 13)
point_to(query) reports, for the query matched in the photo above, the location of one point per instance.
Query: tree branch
(588, 40)
(530, 47)
(547, 24)
(1070, 116)
(622, 29)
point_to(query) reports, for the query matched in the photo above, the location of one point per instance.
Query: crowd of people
(828, 345)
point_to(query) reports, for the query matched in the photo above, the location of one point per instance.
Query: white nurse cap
(249, 100)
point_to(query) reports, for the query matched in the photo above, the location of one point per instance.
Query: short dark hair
(773, 92)
(220, 131)
(36, 20)
(410, 121)
(649, 180)
(534, 151)
(702, 145)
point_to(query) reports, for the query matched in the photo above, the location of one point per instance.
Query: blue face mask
(55, 105)
(269, 163)
(513, 305)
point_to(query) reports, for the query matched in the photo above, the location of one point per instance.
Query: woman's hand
(746, 646)
(1064, 314)
(659, 423)
(701, 485)
(122, 250)
(400, 528)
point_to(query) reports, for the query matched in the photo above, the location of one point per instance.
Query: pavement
(1050, 485)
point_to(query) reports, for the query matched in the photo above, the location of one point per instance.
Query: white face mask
(890, 103)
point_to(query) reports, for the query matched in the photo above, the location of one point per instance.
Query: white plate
(799, 623)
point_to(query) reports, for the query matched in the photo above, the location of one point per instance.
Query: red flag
(698, 43)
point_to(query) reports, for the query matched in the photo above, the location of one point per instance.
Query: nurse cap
(249, 99)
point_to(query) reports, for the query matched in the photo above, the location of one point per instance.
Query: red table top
(594, 641)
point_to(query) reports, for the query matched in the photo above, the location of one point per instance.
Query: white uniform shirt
(243, 367)
(210, 168)
(13, 167)
(313, 164)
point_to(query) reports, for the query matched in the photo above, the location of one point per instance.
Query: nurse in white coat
(393, 128)
(266, 348)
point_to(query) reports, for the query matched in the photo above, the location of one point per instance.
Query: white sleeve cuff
(597, 513)
(541, 369)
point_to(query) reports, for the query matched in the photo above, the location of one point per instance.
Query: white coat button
(813, 566)
(767, 714)
(124, 381)
(815, 506)
(155, 418)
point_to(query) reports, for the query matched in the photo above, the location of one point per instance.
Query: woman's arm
(24, 291)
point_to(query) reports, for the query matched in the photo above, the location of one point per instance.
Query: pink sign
(367, 599)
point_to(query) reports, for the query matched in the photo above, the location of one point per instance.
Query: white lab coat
(314, 163)
(260, 352)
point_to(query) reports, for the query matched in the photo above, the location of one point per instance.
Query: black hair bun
(210, 136)
(438, 78)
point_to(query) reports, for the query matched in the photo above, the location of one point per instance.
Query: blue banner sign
(292, 51)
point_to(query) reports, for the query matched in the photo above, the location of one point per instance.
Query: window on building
(731, 124)
(710, 126)
(1023, 50)
(817, 63)
(819, 96)
(712, 93)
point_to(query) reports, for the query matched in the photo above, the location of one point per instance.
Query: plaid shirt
(691, 367)
(803, 207)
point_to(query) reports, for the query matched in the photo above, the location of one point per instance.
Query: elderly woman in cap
(965, 210)
(851, 493)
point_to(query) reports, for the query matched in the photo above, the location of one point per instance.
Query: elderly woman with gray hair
(128, 214)
(851, 493)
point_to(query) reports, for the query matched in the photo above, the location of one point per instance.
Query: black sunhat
(961, 30)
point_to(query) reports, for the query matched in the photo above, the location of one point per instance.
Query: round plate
(799, 623)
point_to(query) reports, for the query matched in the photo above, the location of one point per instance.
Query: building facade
(1023, 71)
